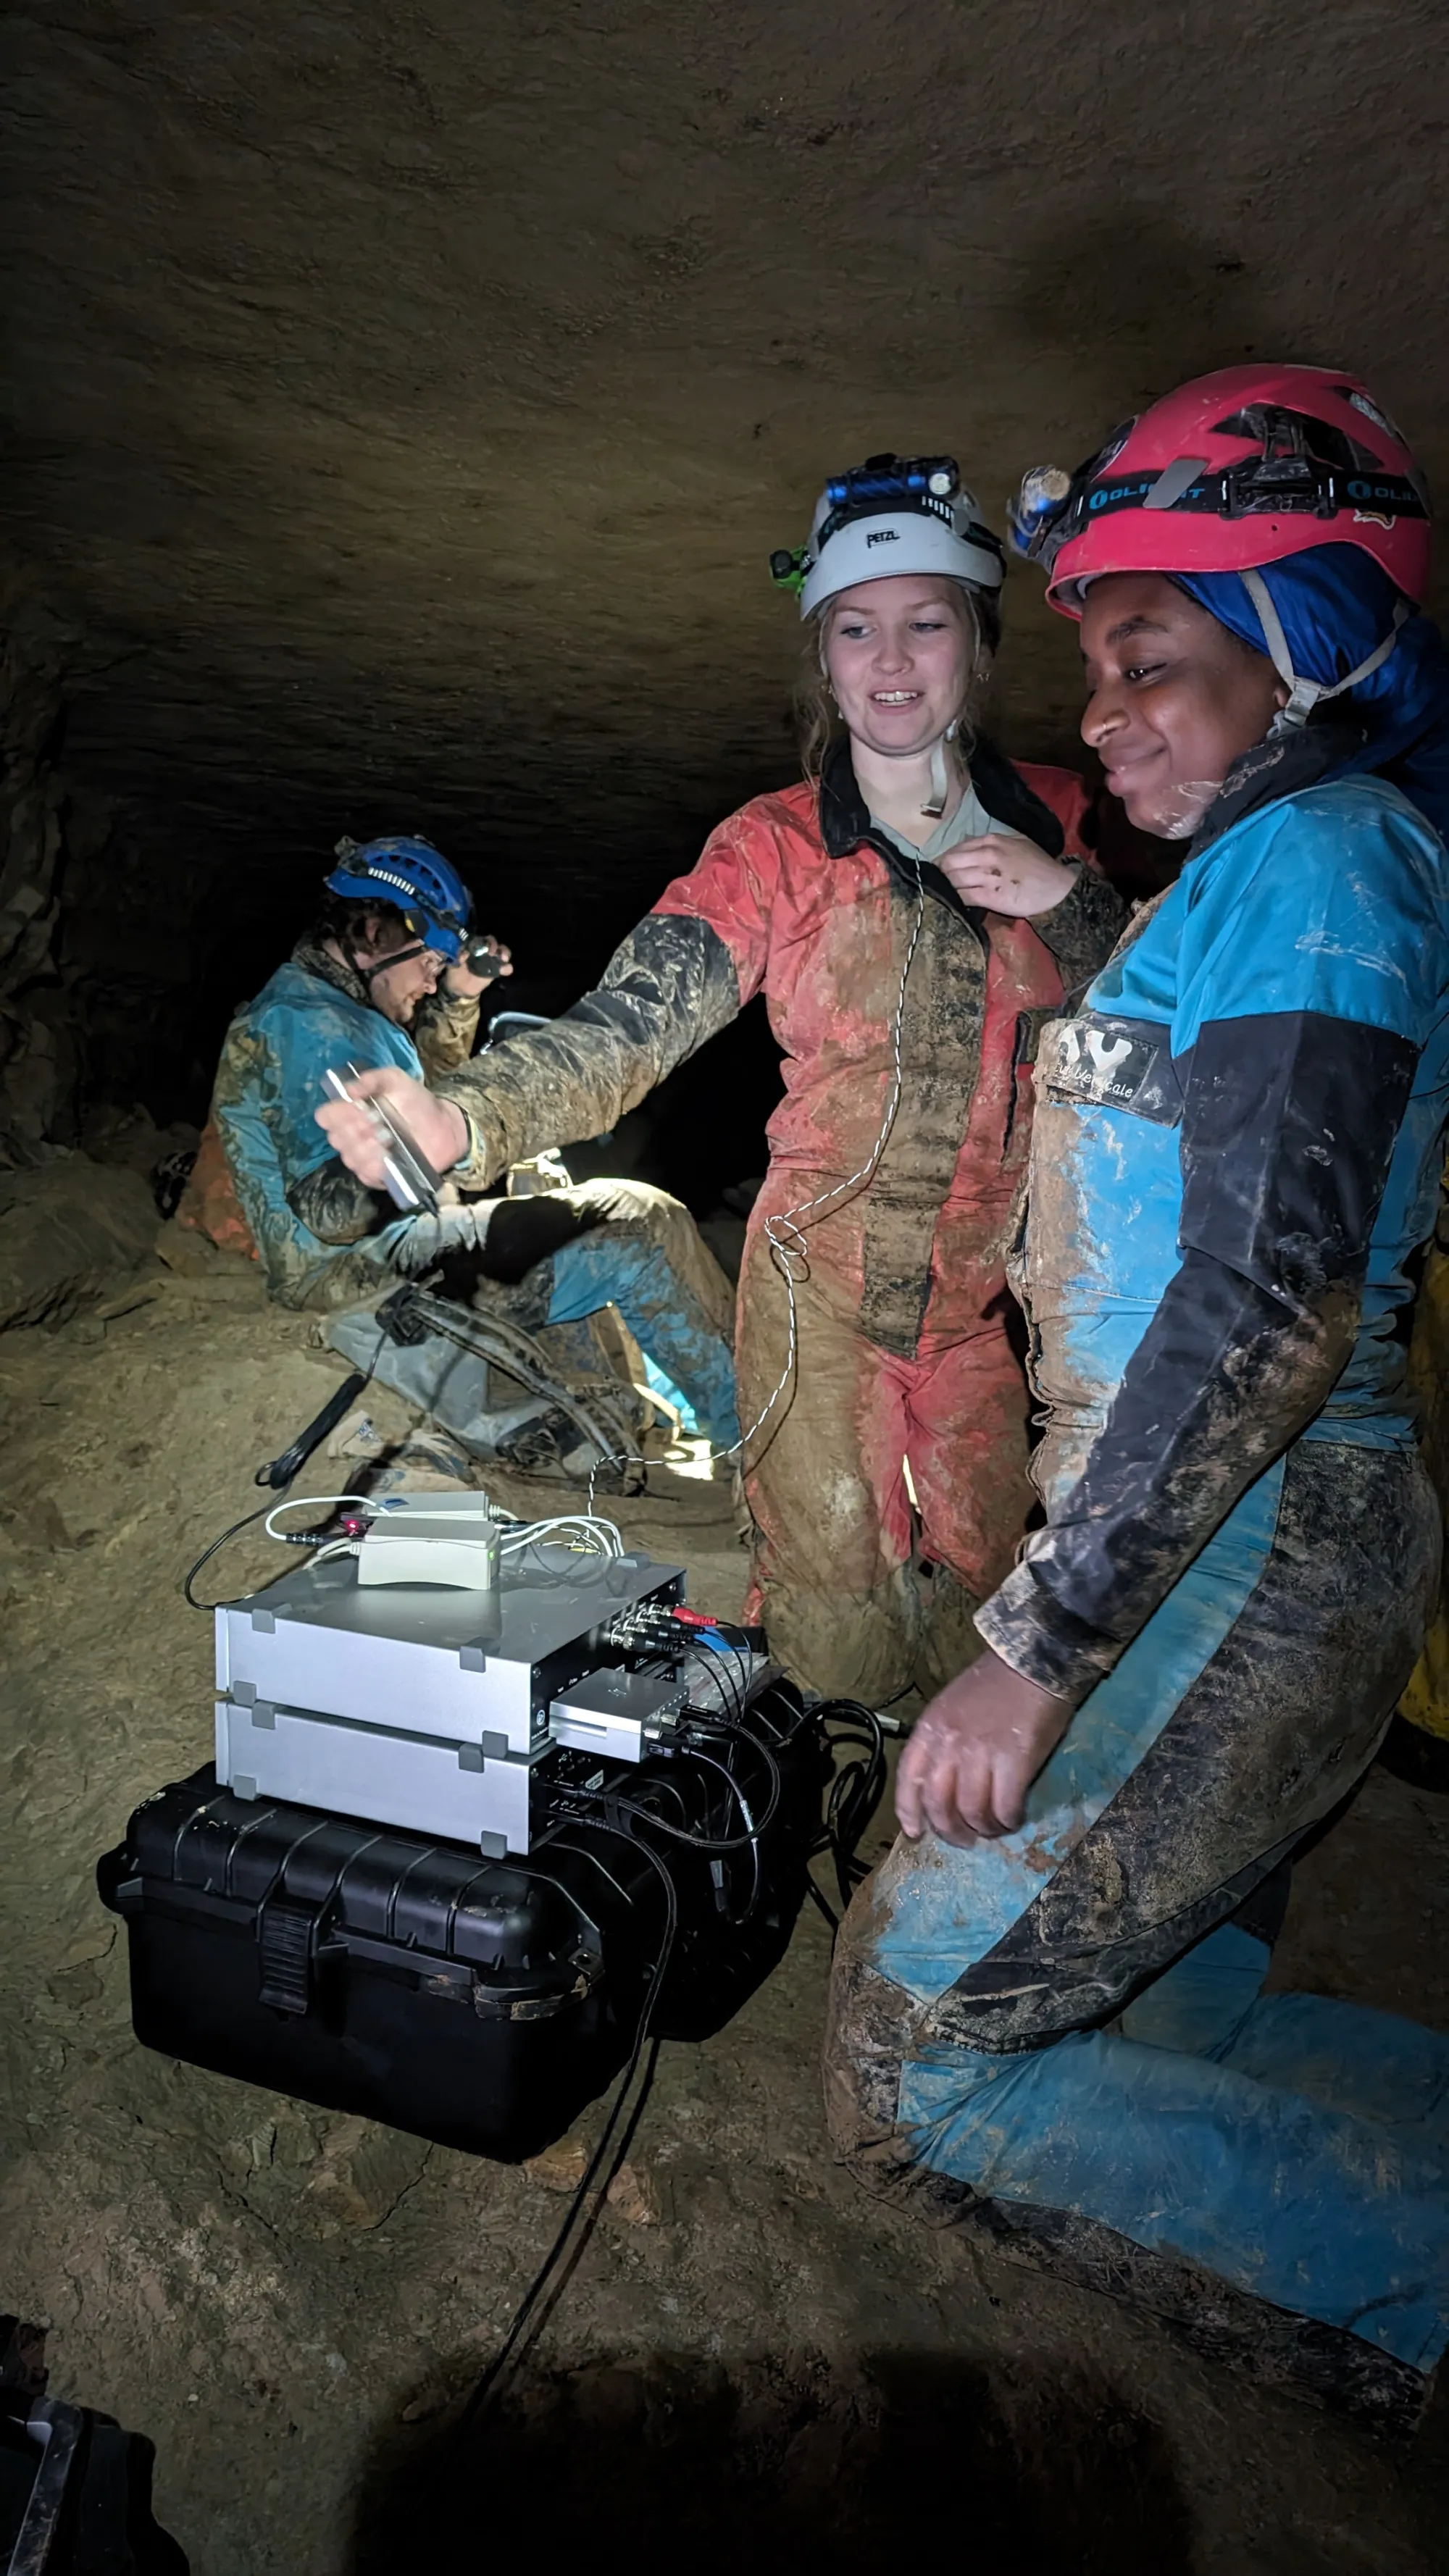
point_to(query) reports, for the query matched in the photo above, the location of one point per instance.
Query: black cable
(613, 1805)
(717, 1667)
(740, 1734)
(676, 1833)
(540, 2283)
(730, 1682)
(853, 1800)
(288, 1538)
(753, 1830)
(738, 1640)
(351, 1390)
(850, 1810)
(855, 1791)
(827, 1909)
(608, 1802)
(208, 1552)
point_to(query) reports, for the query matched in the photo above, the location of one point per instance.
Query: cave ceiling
(405, 401)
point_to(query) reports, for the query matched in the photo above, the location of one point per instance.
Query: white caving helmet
(894, 514)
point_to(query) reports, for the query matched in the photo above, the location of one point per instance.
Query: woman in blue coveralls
(1047, 2015)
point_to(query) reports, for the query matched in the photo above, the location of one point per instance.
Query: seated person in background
(383, 979)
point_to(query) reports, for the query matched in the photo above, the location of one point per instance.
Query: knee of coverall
(824, 1479)
(867, 2034)
(950, 1639)
(609, 1266)
(667, 1222)
(846, 1645)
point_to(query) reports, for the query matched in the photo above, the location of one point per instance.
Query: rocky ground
(750, 2358)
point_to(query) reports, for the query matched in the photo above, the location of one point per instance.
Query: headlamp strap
(398, 957)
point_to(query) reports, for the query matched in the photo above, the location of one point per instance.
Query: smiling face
(1173, 699)
(900, 655)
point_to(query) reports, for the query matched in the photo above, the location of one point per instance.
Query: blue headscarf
(1336, 606)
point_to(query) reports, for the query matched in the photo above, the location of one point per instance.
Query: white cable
(297, 1500)
(786, 1256)
(582, 1531)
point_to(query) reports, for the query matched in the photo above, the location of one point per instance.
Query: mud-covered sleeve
(269, 1084)
(337, 1207)
(445, 1031)
(1067, 798)
(242, 1099)
(1083, 929)
(1306, 995)
(675, 982)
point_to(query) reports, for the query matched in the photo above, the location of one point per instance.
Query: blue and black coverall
(1238, 1140)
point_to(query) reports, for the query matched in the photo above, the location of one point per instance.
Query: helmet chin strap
(1305, 695)
(934, 805)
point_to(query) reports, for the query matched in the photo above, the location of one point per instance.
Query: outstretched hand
(437, 1128)
(1001, 872)
(975, 1751)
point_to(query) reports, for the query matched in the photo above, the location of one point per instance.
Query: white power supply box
(432, 1538)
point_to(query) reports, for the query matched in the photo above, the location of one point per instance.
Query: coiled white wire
(792, 1256)
(583, 1533)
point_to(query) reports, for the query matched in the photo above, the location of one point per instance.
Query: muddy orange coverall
(907, 1340)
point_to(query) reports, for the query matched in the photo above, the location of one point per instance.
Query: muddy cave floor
(751, 2359)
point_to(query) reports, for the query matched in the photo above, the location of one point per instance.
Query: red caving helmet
(1234, 470)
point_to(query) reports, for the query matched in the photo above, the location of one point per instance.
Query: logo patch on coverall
(1126, 1064)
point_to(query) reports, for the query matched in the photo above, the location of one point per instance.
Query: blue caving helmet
(417, 880)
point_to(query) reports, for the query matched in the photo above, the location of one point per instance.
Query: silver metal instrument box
(428, 1706)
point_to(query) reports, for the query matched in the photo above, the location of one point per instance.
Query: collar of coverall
(1282, 764)
(845, 817)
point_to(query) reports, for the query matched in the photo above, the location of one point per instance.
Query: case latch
(286, 1932)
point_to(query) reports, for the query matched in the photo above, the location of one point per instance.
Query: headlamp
(887, 481)
(1288, 477)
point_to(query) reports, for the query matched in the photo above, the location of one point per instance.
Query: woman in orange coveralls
(901, 910)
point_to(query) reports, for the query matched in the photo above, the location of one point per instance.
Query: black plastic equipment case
(478, 2003)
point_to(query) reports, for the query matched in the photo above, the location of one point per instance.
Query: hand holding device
(408, 1176)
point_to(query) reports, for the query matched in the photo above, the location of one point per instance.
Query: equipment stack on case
(482, 1791)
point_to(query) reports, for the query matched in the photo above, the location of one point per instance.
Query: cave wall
(106, 993)
(38, 1074)
(404, 400)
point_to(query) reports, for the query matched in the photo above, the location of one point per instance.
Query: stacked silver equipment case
(359, 1686)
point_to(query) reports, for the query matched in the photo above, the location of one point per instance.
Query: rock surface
(68, 1229)
(413, 396)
